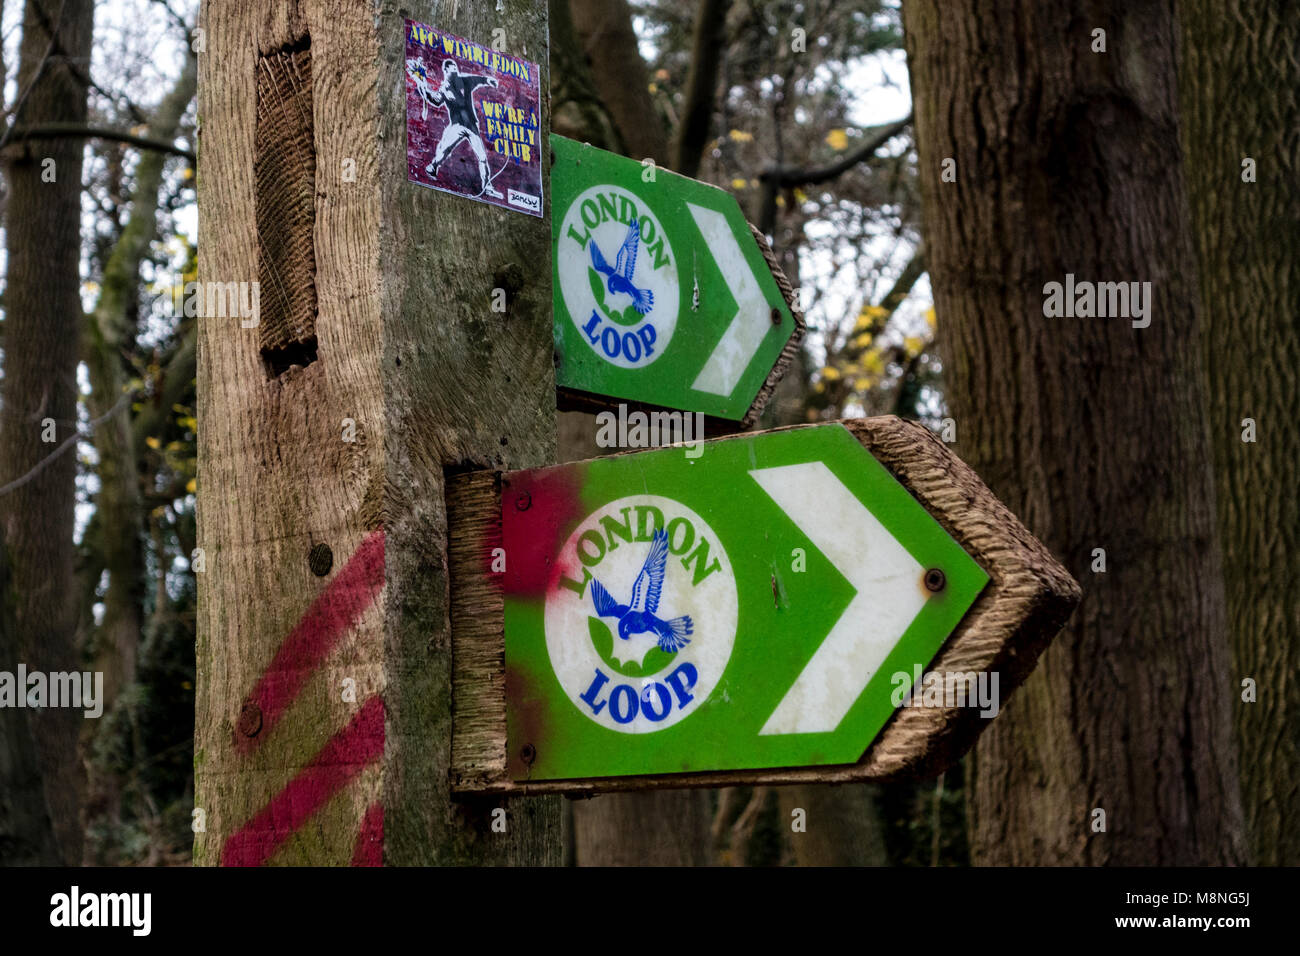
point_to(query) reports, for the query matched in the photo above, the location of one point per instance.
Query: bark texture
(1241, 99)
(42, 328)
(842, 825)
(26, 836)
(1092, 431)
(577, 110)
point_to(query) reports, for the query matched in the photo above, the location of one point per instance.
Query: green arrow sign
(662, 293)
(752, 609)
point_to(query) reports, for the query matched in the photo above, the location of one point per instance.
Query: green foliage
(146, 744)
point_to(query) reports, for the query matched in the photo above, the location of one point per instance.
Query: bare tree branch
(67, 443)
(789, 176)
(75, 130)
(776, 178)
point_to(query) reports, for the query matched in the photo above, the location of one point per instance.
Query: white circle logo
(642, 623)
(618, 276)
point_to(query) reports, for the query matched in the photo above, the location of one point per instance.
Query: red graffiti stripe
(346, 755)
(330, 616)
(369, 850)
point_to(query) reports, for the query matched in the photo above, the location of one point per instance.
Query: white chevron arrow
(889, 595)
(750, 325)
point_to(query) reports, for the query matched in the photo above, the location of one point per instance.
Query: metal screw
(320, 559)
(776, 316)
(529, 753)
(250, 719)
(935, 580)
(524, 501)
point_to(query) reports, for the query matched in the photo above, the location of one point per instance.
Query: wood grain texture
(1028, 599)
(417, 371)
(792, 344)
(464, 387)
(275, 475)
(284, 166)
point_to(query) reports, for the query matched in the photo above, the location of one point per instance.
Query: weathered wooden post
(397, 334)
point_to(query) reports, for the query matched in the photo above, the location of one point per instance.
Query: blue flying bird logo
(638, 616)
(620, 275)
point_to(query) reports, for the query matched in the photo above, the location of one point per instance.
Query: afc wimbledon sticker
(472, 120)
(640, 637)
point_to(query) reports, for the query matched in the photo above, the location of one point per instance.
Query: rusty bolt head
(524, 501)
(528, 753)
(776, 316)
(250, 719)
(320, 559)
(935, 580)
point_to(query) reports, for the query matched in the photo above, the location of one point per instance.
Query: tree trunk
(1240, 99)
(26, 836)
(1068, 161)
(605, 37)
(654, 828)
(39, 400)
(842, 825)
(697, 112)
(577, 110)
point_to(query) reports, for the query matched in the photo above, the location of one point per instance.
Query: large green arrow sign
(662, 293)
(765, 604)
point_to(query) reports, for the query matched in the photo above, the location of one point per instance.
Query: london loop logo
(642, 624)
(618, 276)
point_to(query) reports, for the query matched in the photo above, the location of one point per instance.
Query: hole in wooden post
(284, 170)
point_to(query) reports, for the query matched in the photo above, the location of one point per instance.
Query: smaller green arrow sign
(758, 606)
(662, 294)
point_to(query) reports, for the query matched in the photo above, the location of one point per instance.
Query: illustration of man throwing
(456, 94)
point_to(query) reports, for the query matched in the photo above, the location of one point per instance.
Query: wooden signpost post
(404, 334)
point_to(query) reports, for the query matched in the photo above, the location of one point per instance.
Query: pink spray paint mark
(537, 511)
(330, 616)
(369, 850)
(348, 753)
